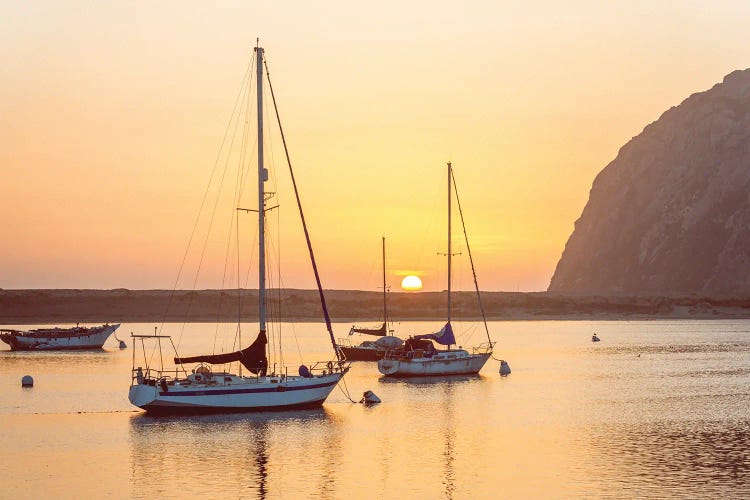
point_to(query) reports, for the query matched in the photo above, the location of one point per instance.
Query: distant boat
(158, 390)
(419, 357)
(370, 350)
(594, 338)
(54, 339)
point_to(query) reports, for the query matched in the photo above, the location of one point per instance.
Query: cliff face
(671, 214)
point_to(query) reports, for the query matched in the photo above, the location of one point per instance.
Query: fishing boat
(203, 389)
(419, 357)
(54, 339)
(370, 350)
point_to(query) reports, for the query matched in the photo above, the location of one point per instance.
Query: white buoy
(369, 398)
(27, 381)
(123, 345)
(504, 368)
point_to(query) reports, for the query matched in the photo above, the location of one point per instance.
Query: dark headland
(671, 212)
(121, 305)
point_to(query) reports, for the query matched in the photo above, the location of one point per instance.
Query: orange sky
(112, 116)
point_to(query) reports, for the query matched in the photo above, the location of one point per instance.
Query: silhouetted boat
(176, 391)
(419, 356)
(372, 350)
(54, 339)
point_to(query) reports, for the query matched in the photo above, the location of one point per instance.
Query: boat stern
(7, 337)
(388, 366)
(142, 395)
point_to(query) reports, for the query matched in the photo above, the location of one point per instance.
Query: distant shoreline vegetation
(38, 306)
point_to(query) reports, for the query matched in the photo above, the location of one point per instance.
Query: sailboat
(372, 350)
(159, 390)
(50, 339)
(419, 357)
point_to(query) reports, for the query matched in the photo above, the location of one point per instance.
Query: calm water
(657, 409)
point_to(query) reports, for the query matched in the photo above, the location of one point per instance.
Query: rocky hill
(671, 213)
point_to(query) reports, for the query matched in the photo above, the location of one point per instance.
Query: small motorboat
(594, 338)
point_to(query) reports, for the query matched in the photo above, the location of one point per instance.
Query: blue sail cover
(443, 337)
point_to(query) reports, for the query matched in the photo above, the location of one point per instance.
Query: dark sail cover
(253, 357)
(444, 336)
(378, 332)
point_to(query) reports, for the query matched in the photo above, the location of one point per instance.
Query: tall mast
(450, 250)
(262, 176)
(385, 306)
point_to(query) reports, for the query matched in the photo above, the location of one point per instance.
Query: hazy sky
(112, 115)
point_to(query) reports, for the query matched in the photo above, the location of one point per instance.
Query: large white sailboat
(419, 357)
(159, 390)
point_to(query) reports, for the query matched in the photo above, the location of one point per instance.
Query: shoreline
(25, 307)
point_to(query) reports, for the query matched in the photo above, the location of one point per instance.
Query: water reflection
(670, 458)
(572, 421)
(449, 435)
(431, 380)
(435, 421)
(56, 358)
(677, 348)
(242, 453)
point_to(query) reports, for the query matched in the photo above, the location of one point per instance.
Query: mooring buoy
(27, 381)
(369, 398)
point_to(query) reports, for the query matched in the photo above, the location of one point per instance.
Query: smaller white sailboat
(419, 357)
(58, 339)
(159, 390)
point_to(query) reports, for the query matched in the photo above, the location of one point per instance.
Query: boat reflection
(449, 434)
(83, 357)
(432, 380)
(258, 454)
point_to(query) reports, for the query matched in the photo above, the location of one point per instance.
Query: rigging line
(275, 184)
(279, 302)
(237, 101)
(247, 278)
(238, 196)
(234, 218)
(274, 308)
(205, 194)
(294, 331)
(277, 291)
(205, 243)
(278, 262)
(471, 259)
(304, 224)
(272, 325)
(345, 391)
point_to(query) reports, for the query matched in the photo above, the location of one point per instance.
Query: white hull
(235, 394)
(92, 338)
(445, 363)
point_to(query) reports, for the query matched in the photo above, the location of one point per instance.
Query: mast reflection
(256, 455)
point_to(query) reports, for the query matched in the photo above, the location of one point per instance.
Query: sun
(411, 283)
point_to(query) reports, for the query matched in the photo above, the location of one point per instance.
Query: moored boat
(369, 350)
(48, 339)
(418, 356)
(177, 390)
(372, 350)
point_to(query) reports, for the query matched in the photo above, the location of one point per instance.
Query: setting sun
(411, 283)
